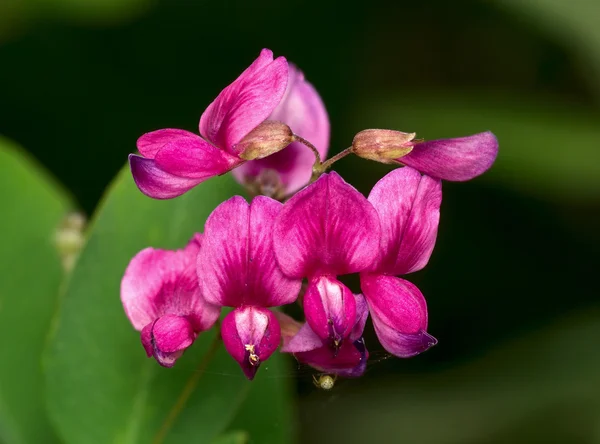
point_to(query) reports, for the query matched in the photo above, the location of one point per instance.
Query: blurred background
(512, 285)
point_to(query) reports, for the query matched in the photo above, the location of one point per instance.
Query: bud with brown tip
(267, 138)
(385, 146)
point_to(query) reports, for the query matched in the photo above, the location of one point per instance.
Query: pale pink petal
(163, 282)
(150, 143)
(330, 310)
(237, 264)
(246, 102)
(305, 339)
(194, 158)
(303, 110)
(326, 228)
(250, 335)
(408, 205)
(459, 159)
(157, 183)
(399, 314)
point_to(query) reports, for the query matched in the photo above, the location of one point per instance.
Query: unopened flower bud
(267, 138)
(385, 146)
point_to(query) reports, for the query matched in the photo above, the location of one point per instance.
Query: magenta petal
(162, 282)
(246, 102)
(408, 205)
(237, 264)
(326, 228)
(167, 338)
(349, 362)
(150, 143)
(459, 159)
(330, 310)
(156, 183)
(194, 158)
(304, 340)
(362, 313)
(250, 335)
(304, 112)
(399, 314)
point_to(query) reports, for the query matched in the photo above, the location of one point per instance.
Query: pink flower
(350, 361)
(174, 160)
(408, 205)
(303, 110)
(162, 299)
(325, 230)
(458, 159)
(237, 268)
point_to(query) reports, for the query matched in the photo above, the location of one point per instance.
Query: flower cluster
(271, 128)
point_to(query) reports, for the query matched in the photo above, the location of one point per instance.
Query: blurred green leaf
(544, 387)
(95, 11)
(32, 208)
(574, 22)
(101, 386)
(232, 438)
(547, 149)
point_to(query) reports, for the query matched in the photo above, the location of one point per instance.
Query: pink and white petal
(236, 264)
(330, 310)
(326, 228)
(458, 159)
(246, 102)
(399, 313)
(142, 284)
(156, 183)
(408, 205)
(150, 143)
(194, 159)
(250, 335)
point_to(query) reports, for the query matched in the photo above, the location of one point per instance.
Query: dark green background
(511, 286)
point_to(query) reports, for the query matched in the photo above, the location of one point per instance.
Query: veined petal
(408, 205)
(150, 143)
(157, 183)
(330, 310)
(194, 158)
(167, 338)
(326, 228)
(250, 335)
(349, 362)
(459, 159)
(163, 282)
(246, 102)
(304, 112)
(237, 264)
(399, 314)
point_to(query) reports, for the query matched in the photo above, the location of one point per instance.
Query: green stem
(188, 389)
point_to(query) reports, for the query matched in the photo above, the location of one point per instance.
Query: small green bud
(385, 146)
(267, 138)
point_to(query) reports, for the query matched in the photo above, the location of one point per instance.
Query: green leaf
(547, 149)
(32, 208)
(543, 387)
(575, 22)
(101, 386)
(232, 438)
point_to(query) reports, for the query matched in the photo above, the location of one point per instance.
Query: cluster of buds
(271, 129)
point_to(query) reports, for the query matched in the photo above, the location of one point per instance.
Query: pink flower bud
(385, 146)
(267, 138)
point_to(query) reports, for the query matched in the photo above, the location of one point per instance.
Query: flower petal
(408, 205)
(250, 335)
(194, 158)
(246, 102)
(163, 282)
(303, 110)
(156, 183)
(330, 310)
(150, 143)
(349, 362)
(399, 314)
(167, 338)
(459, 159)
(326, 228)
(237, 264)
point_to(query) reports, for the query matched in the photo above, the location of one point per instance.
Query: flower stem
(305, 142)
(188, 389)
(327, 164)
